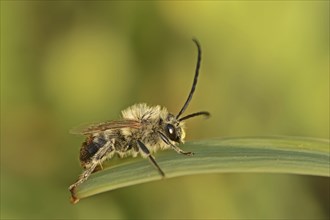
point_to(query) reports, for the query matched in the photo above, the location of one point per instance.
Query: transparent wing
(99, 127)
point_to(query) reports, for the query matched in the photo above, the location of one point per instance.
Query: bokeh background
(265, 71)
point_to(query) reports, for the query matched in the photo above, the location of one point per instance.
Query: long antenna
(207, 114)
(199, 58)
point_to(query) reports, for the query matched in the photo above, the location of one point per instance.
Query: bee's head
(173, 129)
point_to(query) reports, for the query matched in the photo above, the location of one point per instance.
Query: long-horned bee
(142, 130)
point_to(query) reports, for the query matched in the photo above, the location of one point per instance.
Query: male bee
(142, 130)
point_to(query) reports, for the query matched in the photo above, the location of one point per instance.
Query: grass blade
(290, 155)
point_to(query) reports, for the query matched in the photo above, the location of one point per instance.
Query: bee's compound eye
(171, 133)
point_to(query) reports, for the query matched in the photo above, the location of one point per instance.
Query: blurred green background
(265, 71)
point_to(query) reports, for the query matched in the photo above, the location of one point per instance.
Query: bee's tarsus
(188, 153)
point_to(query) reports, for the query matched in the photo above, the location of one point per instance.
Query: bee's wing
(99, 127)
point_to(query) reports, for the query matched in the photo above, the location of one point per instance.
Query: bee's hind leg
(82, 178)
(95, 162)
(145, 150)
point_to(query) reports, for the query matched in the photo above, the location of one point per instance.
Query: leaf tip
(73, 198)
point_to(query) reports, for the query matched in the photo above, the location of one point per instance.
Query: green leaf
(290, 155)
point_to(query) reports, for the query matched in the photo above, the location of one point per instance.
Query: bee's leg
(96, 159)
(145, 150)
(82, 178)
(176, 148)
(98, 167)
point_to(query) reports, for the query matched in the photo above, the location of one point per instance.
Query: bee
(143, 130)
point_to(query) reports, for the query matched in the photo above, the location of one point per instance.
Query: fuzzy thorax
(143, 112)
(154, 119)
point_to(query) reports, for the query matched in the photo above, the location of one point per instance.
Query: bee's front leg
(176, 148)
